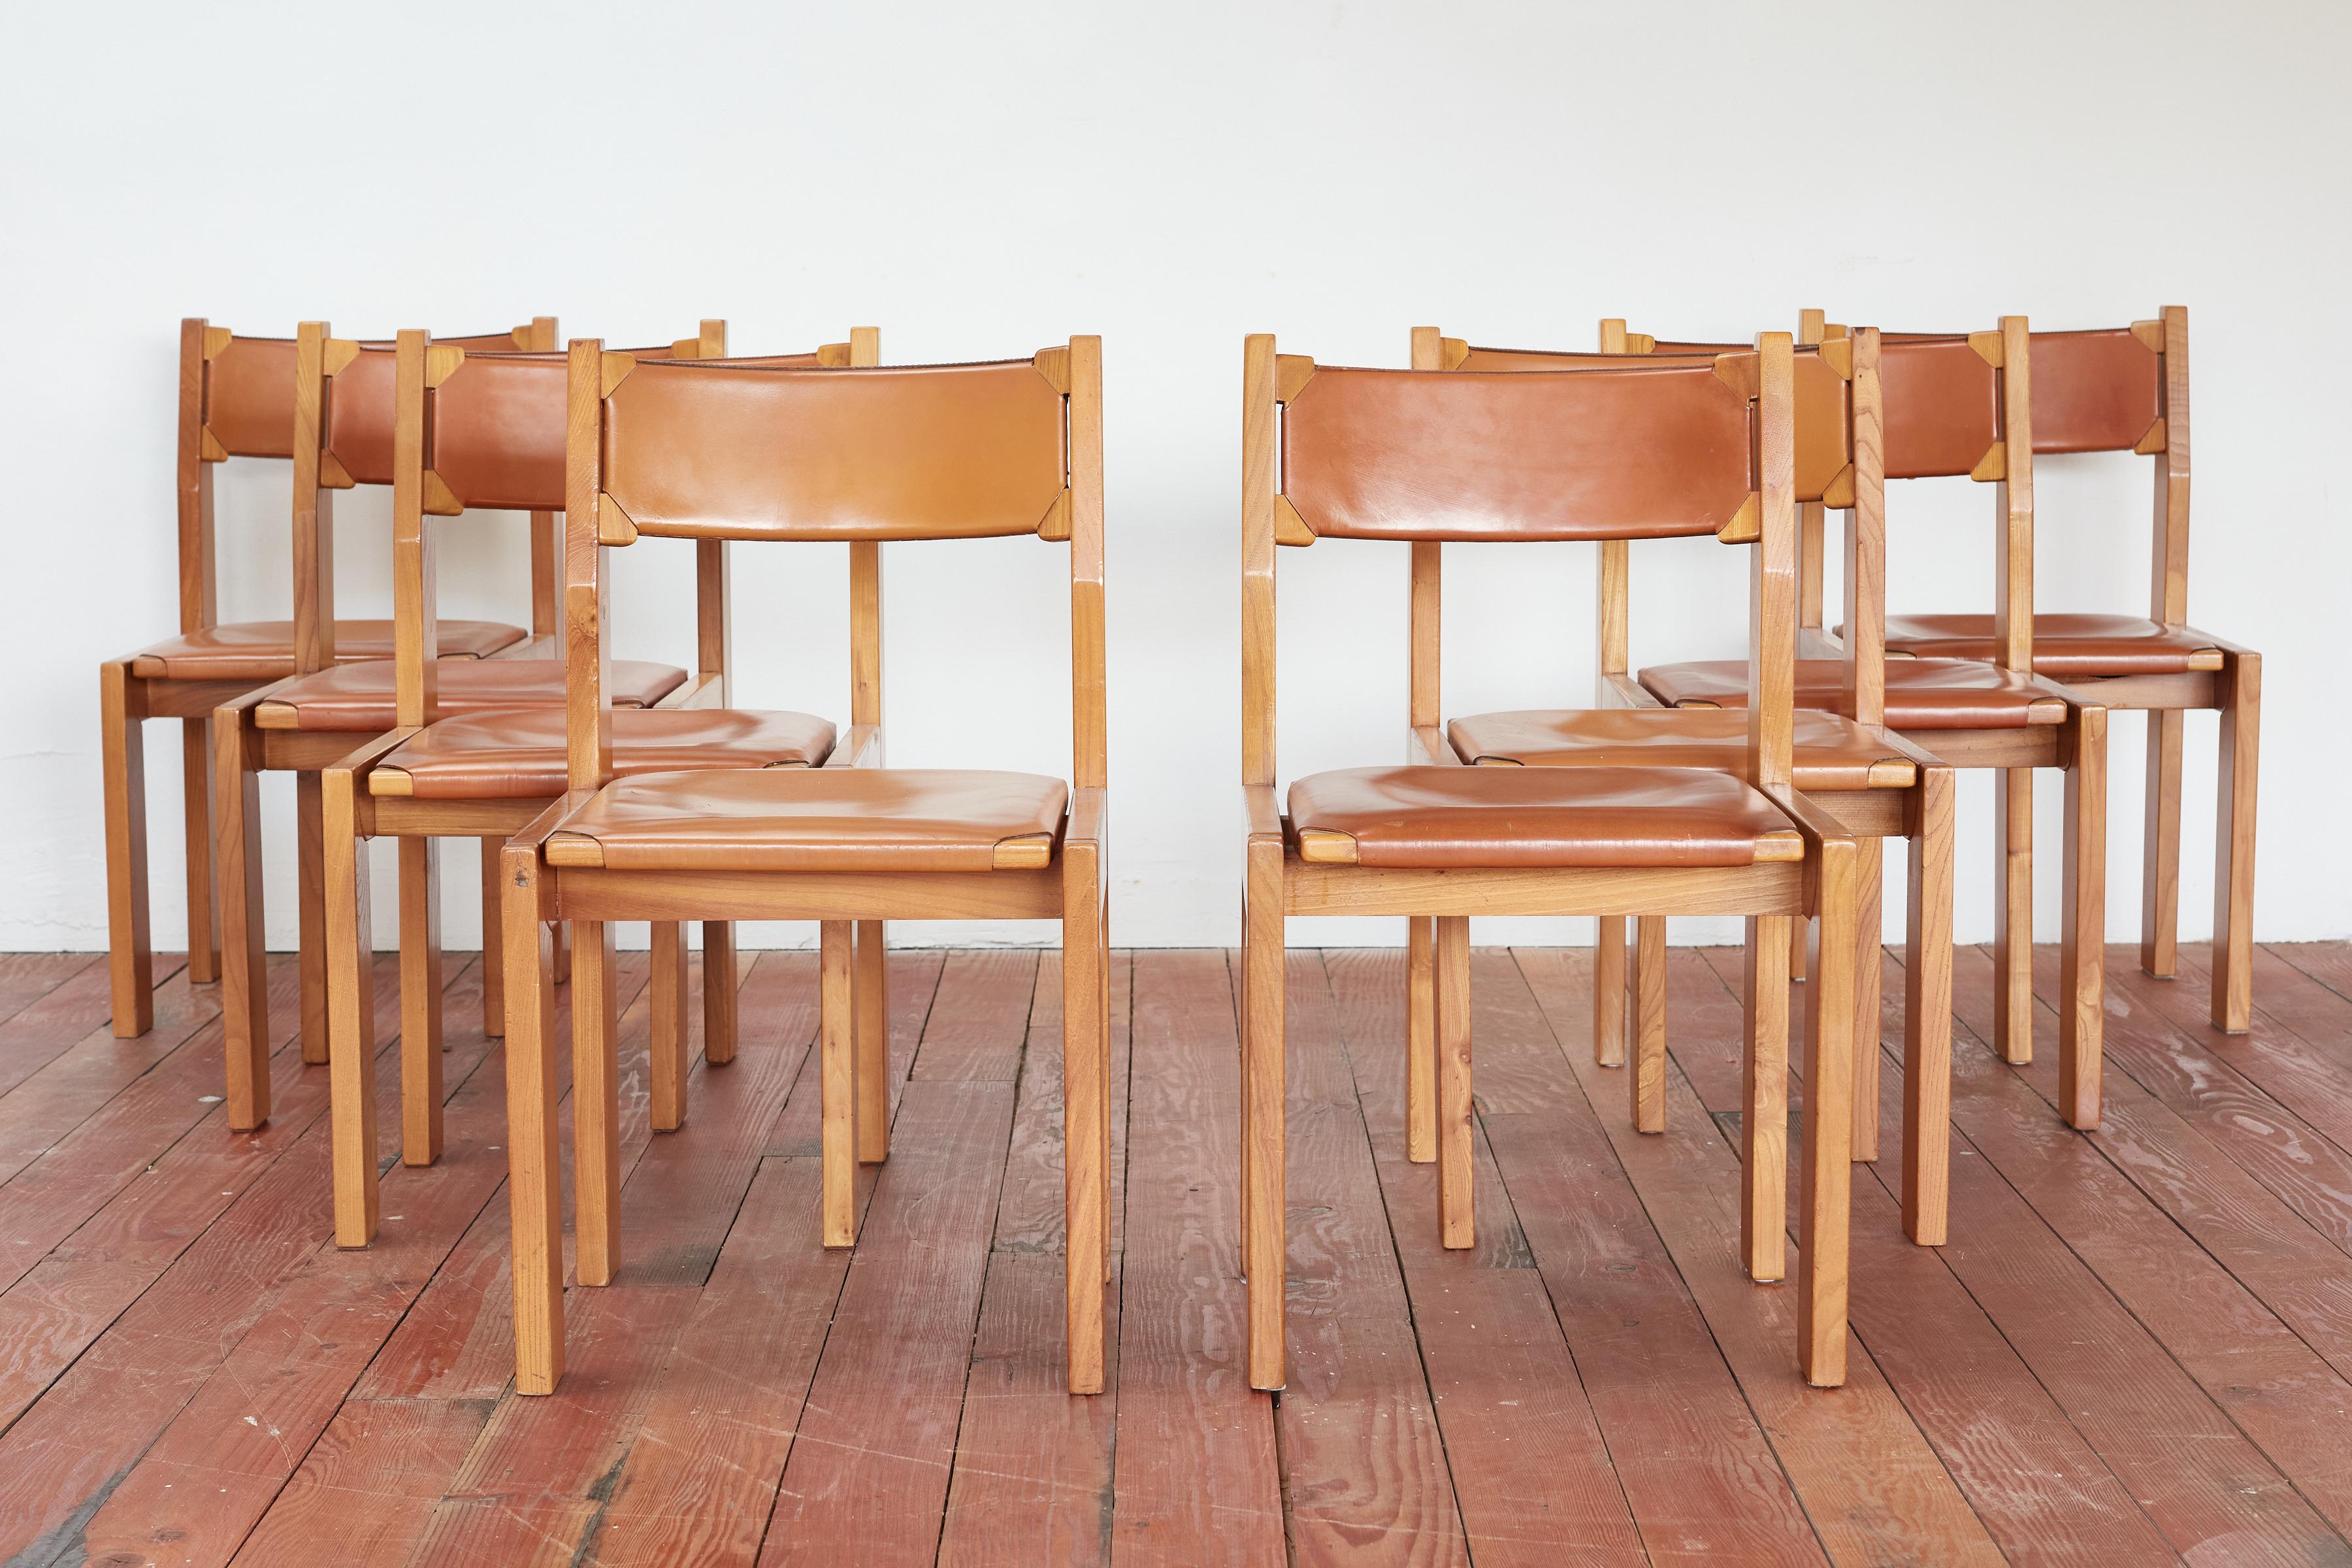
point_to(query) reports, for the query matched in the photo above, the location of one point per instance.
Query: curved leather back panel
(2094, 392)
(495, 431)
(1637, 452)
(249, 397)
(360, 405)
(719, 451)
(1942, 405)
(1824, 400)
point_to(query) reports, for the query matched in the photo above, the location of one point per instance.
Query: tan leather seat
(1921, 693)
(357, 699)
(1834, 754)
(263, 650)
(1496, 817)
(2064, 645)
(519, 753)
(813, 820)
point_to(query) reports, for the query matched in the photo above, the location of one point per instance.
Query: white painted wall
(980, 181)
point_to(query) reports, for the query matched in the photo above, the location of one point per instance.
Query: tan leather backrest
(1824, 398)
(360, 405)
(1942, 405)
(494, 429)
(1641, 451)
(249, 397)
(2094, 392)
(720, 451)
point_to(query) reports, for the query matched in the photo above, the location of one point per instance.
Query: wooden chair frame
(1063, 881)
(129, 697)
(1284, 876)
(1913, 802)
(2076, 749)
(363, 800)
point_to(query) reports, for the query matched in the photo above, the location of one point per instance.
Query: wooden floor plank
(368, 1484)
(1700, 1474)
(2182, 1431)
(1870, 1483)
(27, 977)
(537, 1483)
(80, 1006)
(1033, 1466)
(1529, 1471)
(2039, 1486)
(1198, 1476)
(876, 1442)
(1364, 1468)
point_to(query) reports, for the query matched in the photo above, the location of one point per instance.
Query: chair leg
(1609, 992)
(1828, 1122)
(1798, 938)
(665, 1065)
(534, 1195)
(1456, 1214)
(196, 798)
(720, 983)
(494, 947)
(130, 953)
(310, 911)
(2232, 1007)
(838, 1082)
(2160, 883)
(420, 1000)
(596, 1103)
(2012, 917)
(1928, 1015)
(1764, 1102)
(1264, 1088)
(1086, 1091)
(1420, 1040)
(561, 966)
(1646, 1084)
(2081, 950)
(351, 1015)
(244, 982)
(870, 1009)
(1869, 963)
(1241, 1015)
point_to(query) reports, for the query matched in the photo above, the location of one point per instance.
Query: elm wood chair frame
(1921, 438)
(344, 397)
(904, 480)
(237, 400)
(2127, 390)
(1907, 792)
(511, 457)
(1290, 871)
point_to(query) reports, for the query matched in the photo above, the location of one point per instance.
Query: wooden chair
(237, 400)
(718, 451)
(345, 397)
(1961, 405)
(1704, 447)
(2127, 390)
(1847, 764)
(495, 425)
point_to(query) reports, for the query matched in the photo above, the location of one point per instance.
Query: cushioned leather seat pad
(519, 753)
(817, 819)
(2064, 645)
(1834, 754)
(1921, 693)
(1496, 817)
(263, 650)
(358, 697)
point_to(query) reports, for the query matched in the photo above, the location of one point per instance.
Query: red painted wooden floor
(2137, 1347)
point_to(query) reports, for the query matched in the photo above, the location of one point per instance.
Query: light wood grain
(1927, 1014)
(595, 1103)
(838, 1044)
(1764, 1098)
(2234, 837)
